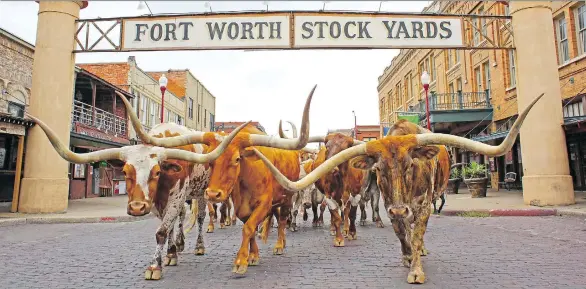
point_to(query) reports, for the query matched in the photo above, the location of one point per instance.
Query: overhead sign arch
(288, 30)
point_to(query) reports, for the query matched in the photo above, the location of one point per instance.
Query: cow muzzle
(215, 195)
(138, 209)
(399, 212)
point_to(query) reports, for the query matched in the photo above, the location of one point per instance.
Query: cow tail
(193, 215)
(266, 227)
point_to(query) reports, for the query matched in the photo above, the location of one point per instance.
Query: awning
(575, 120)
(492, 136)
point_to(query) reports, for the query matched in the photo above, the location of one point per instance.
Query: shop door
(96, 181)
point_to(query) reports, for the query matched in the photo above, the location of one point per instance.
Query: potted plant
(454, 181)
(475, 179)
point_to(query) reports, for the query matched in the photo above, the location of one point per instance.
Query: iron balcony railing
(454, 101)
(105, 121)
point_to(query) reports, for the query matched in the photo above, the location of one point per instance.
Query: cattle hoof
(424, 252)
(416, 277)
(278, 251)
(170, 260)
(180, 246)
(210, 229)
(314, 224)
(352, 236)
(305, 217)
(379, 224)
(228, 222)
(345, 232)
(240, 269)
(320, 223)
(200, 251)
(153, 273)
(222, 225)
(362, 222)
(338, 242)
(294, 228)
(253, 260)
(234, 220)
(333, 233)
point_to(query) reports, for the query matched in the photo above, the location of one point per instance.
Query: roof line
(16, 38)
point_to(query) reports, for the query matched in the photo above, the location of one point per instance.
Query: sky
(263, 86)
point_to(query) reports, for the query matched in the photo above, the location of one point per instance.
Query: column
(45, 186)
(546, 179)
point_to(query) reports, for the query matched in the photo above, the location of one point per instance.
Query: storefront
(575, 128)
(12, 137)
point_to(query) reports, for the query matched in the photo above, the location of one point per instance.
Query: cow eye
(157, 174)
(238, 159)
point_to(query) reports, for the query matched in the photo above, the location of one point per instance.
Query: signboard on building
(92, 132)
(414, 118)
(291, 30)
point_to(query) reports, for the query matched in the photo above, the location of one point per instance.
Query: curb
(66, 220)
(503, 213)
(571, 213)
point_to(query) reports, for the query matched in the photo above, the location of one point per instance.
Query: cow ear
(363, 162)
(425, 152)
(170, 167)
(248, 153)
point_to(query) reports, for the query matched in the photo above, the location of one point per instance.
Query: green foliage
(455, 174)
(474, 170)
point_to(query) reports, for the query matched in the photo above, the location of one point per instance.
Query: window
(410, 85)
(457, 56)
(563, 50)
(486, 68)
(205, 118)
(450, 58)
(574, 109)
(433, 68)
(167, 114)
(179, 120)
(212, 122)
(399, 96)
(152, 117)
(480, 24)
(580, 16)
(451, 88)
(478, 79)
(512, 79)
(143, 110)
(79, 171)
(198, 112)
(507, 10)
(459, 84)
(16, 110)
(427, 68)
(190, 108)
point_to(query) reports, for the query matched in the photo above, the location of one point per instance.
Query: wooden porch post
(93, 84)
(16, 190)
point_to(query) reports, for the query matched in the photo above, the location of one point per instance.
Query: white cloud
(262, 86)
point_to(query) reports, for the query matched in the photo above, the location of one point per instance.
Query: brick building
(146, 91)
(473, 92)
(16, 66)
(229, 126)
(367, 132)
(200, 104)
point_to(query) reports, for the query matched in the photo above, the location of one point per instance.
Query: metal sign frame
(501, 39)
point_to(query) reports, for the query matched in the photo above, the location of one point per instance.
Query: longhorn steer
(238, 173)
(406, 178)
(158, 180)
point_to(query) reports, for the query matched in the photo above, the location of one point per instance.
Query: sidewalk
(113, 209)
(506, 203)
(94, 210)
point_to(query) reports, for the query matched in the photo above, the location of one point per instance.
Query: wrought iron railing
(105, 121)
(454, 101)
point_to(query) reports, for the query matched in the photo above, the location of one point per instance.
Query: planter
(453, 185)
(477, 187)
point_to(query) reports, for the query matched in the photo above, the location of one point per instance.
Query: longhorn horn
(288, 144)
(178, 154)
(293, 127)
(318, 172)
(478, 147)
(144, 137)
(195, 137)
(66, 154)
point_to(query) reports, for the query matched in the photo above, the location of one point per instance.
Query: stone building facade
(477, 88)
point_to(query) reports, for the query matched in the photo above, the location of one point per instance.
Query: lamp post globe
(425, 81)
(163, 81)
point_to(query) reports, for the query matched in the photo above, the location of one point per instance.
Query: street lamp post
(163, 84)
(425, 82)
(355, 129)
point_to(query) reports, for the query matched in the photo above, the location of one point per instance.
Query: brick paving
(503, 252)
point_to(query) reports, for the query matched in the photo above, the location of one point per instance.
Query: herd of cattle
(265, 176)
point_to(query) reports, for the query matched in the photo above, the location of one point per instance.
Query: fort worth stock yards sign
(290, 31)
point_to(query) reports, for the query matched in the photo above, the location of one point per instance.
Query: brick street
(504, 252)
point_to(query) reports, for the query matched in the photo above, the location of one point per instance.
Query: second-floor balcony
(446, 108)
(102, 120)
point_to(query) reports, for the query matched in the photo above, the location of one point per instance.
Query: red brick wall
(177, 81)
